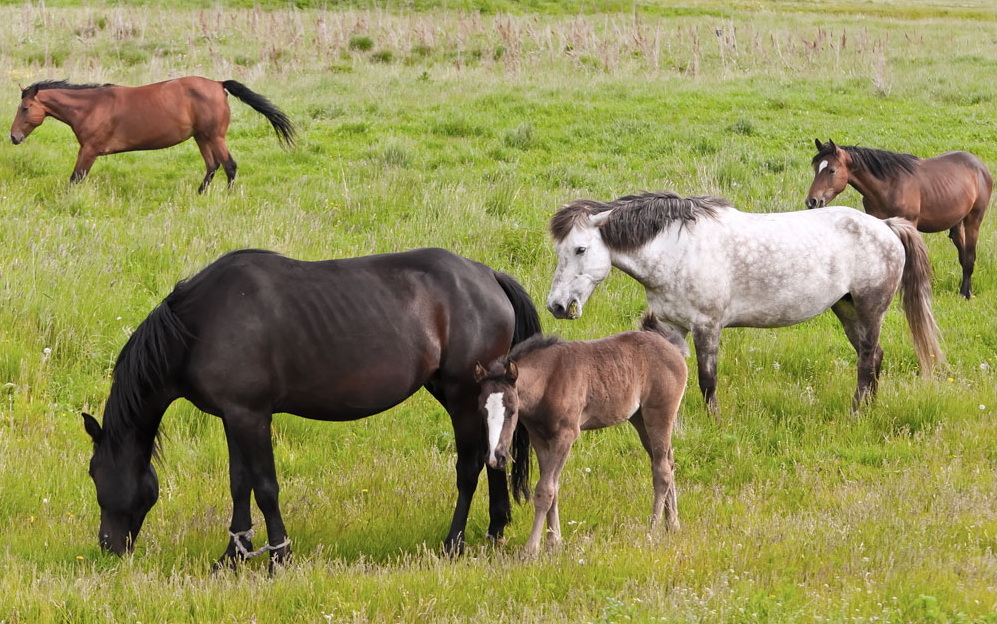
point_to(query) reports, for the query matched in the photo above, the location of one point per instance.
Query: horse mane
(636, 219)
(881, 164)
(535, 342)
(143, 366)
(43, 85)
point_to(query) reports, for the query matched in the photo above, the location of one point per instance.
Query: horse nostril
(556, 309)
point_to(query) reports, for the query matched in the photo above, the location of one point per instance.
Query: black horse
(256, 333)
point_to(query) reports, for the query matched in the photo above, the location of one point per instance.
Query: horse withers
(108, 119)
(559, 388)
(256, 333)
(705, 265)
(948, 192)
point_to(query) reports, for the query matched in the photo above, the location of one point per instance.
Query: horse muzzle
(498, 460)
(16, 140)
(815, 202)
(572, 311)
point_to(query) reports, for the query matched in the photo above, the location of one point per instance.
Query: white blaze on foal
(496, 417)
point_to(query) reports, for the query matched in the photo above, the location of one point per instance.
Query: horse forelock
(44, 85)
(881, 164)
(571, 215)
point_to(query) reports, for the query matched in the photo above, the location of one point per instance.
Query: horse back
(166, 113)
(951, 186)
(599, 383)
(337, 339)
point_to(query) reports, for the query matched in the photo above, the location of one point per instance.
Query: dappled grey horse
(705, 265)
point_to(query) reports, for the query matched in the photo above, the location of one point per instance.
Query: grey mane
(636, 219)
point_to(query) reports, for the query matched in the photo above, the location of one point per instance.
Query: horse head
(30, 114)
(830, 174)
(499, 402)
(127, 488)
(583, 262)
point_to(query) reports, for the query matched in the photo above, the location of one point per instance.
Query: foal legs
(658, 444)
(551, 456)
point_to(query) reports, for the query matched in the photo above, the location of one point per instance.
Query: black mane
(881, 164)
(43, 85)
(636, 219)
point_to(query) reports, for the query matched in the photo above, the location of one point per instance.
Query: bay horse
(108, 119)
(705, 265)
(558, 389)
(255, 333)
(948, 192)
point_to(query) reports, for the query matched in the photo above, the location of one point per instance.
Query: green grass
(466, 125)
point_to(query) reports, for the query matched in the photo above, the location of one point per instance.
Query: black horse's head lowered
(127, 488)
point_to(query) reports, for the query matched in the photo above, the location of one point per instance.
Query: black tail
(280, 122)
(527, 324)
(650, 322)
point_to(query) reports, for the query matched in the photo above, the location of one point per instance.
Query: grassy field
(436, 124)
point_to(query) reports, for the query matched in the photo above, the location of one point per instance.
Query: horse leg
(249, 431)
(864, 338)
(551, 456)
(707, 341)
(223, 156)
(659, 448)
(210, 162)
(469, 437)
(968, 235)
(84, 160)
(241, 487)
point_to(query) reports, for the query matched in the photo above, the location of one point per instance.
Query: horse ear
(834, 148)
(93, 428)
(479, 372)
(512, 371)
(599, 219)
(819, 145)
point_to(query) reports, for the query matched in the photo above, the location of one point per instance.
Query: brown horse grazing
(948, 192)
(108, 119)
(556, 389)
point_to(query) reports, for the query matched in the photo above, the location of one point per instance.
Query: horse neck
(134, 418)
(67, 105)
(641, 263)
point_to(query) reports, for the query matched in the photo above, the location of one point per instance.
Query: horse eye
(579, 251)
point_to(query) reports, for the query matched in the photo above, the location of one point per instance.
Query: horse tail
(280, 122)
(915, 292)
(650, 322)
(527, 324)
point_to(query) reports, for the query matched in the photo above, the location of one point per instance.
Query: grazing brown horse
(557, 389)
(948, 192)
(108, 119)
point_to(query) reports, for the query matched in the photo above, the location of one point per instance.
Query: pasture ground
(435, 124)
